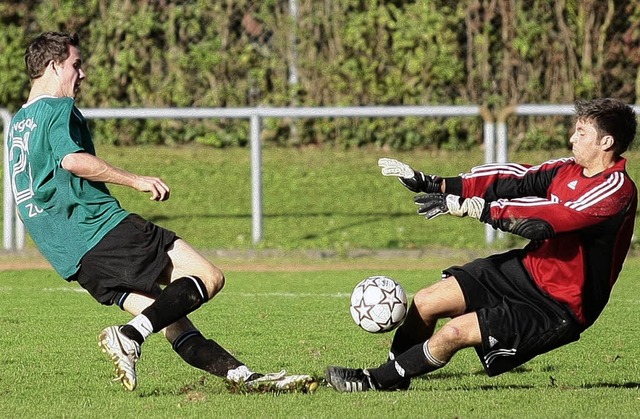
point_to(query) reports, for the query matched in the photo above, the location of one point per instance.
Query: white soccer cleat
(124, 353)
(278, 382)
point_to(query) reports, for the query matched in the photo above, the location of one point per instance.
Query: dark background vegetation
(243, 53)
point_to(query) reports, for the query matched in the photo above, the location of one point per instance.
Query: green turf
(299, 321)
(313, 198)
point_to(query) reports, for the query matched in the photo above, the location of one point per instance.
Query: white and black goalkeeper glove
(434, 204)
(412, 179)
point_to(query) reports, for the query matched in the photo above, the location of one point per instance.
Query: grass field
(299, 321)
(291, 310)
(313, 198)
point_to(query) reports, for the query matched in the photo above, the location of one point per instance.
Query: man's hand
(156, 186)
(412, 179)
(435, 204)
(432, 205)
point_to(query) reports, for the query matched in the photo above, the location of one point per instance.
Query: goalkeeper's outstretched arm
(435, 204)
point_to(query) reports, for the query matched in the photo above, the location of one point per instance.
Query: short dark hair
(47, 47)
(610, 117)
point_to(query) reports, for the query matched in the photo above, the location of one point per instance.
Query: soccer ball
(378, 304)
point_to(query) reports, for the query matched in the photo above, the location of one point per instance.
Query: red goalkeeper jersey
(580, 227)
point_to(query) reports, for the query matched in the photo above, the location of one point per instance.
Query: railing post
(256, 178)
(502, 143)
(489, 157)
(9, 216)
(502, 147)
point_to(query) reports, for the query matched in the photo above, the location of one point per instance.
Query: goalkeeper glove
(412, 179)
(434, 204)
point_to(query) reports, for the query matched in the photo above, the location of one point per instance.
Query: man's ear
(53, 67)
(606, 143)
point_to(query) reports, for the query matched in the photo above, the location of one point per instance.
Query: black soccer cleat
(349, 379)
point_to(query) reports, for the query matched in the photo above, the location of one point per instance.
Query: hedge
(336, 52)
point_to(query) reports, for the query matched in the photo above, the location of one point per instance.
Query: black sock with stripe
(413, 362)
(178, 299)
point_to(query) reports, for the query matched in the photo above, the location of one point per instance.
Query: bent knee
(442, 299)
(218, 280)
(451, 333)
(428, 302)
(214, 280)
(422, 299)
(461, 332)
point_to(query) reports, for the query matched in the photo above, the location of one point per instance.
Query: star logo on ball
(391, 297)
(363, 309)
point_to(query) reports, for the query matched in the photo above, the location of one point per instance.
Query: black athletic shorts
(517, 320)
(128, 259)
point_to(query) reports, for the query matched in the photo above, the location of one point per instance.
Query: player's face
(585, 143)
(70, 74)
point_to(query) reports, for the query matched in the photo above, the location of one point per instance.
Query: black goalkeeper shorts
(517, 320)
(130, 258)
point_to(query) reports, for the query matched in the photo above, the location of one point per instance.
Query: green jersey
(65, 215)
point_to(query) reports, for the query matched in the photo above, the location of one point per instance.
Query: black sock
(412, 363)
(132, 333)
(204, 354)
(402, 341)
(178, 299)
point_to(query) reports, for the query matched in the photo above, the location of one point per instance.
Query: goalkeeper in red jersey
(578, 213)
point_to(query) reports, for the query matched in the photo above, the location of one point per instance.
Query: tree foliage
(243, 53)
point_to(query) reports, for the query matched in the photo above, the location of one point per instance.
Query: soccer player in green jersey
(59, 185)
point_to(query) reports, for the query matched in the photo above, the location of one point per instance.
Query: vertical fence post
(489, 157)
(8, 216)
(502, 143)
(256, 178)
(502, 148)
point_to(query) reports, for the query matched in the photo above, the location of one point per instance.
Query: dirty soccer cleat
(278, 382)
(349, 379)
(124, 353)
(281, 381)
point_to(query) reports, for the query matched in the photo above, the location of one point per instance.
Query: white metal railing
(9, 213)
(495, 141)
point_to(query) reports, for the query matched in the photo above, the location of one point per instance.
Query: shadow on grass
(552, 383)
(632, 384)
(296, 215)
(444, 375)
(373, 217)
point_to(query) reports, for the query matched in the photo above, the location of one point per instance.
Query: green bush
(344, 52)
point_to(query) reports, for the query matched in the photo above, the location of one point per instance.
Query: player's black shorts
(517, 320)
(128, 259)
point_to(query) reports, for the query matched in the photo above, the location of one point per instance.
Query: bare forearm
(95, 169)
